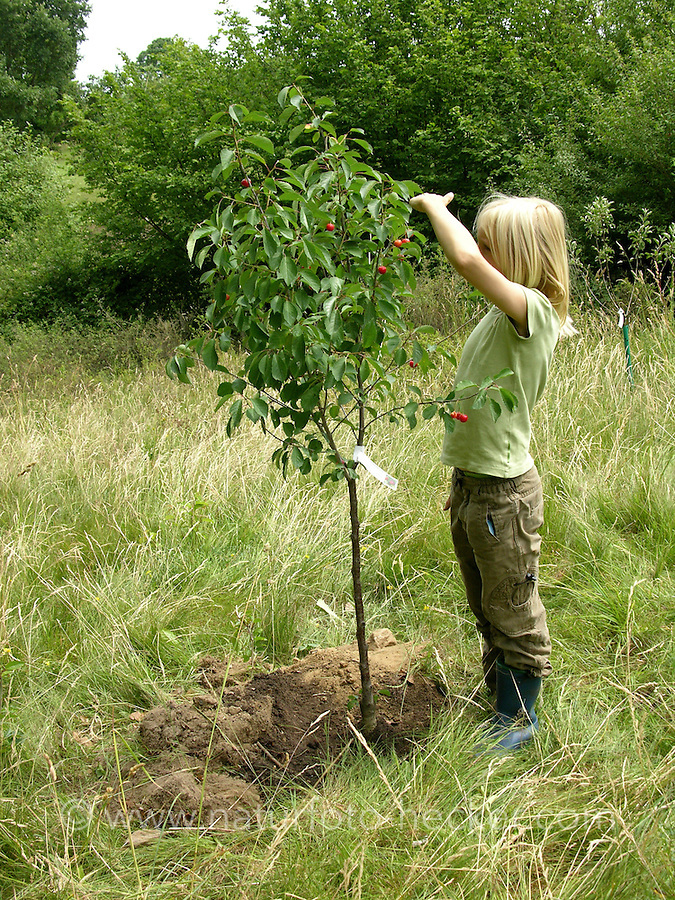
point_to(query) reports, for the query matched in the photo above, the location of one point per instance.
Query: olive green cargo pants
(495, 531)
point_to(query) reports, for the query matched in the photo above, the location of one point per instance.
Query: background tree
(453, 90)
(26, 178)
(636, 128)
(40, 231)
(136, 134)
(616, 140)
(468, 95)
(38, 55)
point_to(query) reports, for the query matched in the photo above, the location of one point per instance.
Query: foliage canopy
(38, 55)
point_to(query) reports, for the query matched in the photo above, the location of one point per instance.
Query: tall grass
(136, 537)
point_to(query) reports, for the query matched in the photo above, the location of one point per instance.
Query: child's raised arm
(472, 261)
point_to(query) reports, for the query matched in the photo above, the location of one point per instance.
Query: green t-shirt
(502, 448)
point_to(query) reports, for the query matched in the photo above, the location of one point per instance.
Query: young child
(519, 263)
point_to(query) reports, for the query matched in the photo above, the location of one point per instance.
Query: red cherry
(330, 227)
(405, 241)
(245, 182)
(382, 269)
(398, 243)
(462, 417)
(413, 364)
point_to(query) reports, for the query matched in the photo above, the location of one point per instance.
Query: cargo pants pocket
(515, 607)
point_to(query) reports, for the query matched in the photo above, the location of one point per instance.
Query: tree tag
(360, 456)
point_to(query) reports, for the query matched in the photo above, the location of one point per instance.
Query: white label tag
(360, 456)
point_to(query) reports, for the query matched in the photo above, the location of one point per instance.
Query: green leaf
(364, 144)
(290, 312)
(295, 132)
(226, 157)
(260, 406)
(265, 367)
(279, 367)
(315, 252)
(235, 111)
(409, 411)
(201, 256)
(270, 244)
(390, 311)
(257, 337)
(448, 422)
(260, 141)
(288, 270)
(337, 368)
(247, 283)
(334, 327)
(510, 400)
(235, 417)
(182, 362)
(208, 136)
(172, 369)
(210, 355)
(310, 397)
(495, 409)
(298, 346)
(310, 279)
(194, 237)
(369, 334)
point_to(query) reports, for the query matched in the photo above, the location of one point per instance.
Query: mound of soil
(279, 726)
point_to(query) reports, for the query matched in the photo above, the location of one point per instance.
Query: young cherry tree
(308, 258)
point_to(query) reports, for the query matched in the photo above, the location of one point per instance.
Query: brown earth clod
(280, 726)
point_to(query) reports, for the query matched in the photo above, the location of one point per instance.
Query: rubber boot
(516, 721)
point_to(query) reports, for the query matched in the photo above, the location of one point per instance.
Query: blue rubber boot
(516, 721)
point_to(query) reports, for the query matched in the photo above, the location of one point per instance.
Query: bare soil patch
(210, 757)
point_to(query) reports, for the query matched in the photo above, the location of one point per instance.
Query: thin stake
(623, 325)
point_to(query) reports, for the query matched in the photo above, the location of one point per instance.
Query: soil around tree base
(210, 757)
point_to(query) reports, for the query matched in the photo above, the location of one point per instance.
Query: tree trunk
(368, 716)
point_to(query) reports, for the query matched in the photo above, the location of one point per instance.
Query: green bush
(27, 180)
(84, 289)
(33, 354)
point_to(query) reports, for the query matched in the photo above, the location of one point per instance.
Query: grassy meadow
(136, 537)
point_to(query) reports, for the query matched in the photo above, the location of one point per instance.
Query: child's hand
(426, 202)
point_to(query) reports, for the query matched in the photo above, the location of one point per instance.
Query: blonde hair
(527, 237)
